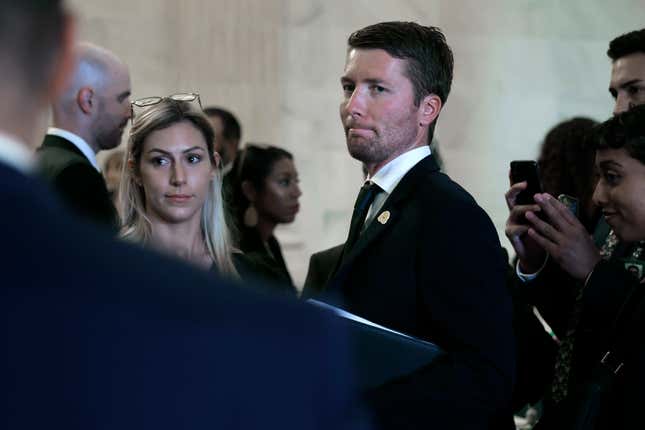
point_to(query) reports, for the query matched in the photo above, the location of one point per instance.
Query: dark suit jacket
(606, 290)
(79, 184)
(435, 270)
(100, 334)
(321, 268)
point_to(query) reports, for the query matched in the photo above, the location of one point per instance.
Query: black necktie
(363, 202)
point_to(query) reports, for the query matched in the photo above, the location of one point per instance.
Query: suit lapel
(390, 213)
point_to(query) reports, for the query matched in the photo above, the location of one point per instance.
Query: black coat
(605, 292)
(101, 334)
(76, 180)
(432, 267)
(264, 262)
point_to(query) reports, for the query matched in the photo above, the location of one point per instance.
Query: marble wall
(521, 66)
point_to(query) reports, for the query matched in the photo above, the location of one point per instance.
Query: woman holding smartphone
(604, 300)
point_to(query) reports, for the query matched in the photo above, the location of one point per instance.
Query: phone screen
(526, 170)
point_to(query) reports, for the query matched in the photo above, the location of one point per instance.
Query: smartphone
(526, 170)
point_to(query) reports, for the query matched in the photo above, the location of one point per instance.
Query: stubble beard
(108, 139)
(382, 146)
(368, 151)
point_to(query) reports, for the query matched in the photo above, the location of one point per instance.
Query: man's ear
(249, 191)
(85, 99)
(218, 161)
(429, 110)
(65, 59)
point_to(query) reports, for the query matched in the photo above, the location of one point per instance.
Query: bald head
(96, 67)
(96, 103)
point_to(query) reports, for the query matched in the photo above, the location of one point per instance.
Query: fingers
(545, 229)
(512, 193)
(545, 243)
(515, 230)
(566, 213)
(559, 215)
(518, 214)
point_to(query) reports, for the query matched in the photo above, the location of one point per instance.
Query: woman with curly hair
(566, 164)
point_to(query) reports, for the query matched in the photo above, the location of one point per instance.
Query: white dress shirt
(16, 154)
(389, 176)
(78, 142)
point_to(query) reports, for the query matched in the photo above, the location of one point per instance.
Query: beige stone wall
(521, 66)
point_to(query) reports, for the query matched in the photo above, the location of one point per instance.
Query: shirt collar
(16, 154)
(389, 176)
(78, 142)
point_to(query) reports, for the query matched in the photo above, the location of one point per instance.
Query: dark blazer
(553, 292)
(79, 184)
(432, 267)
(321, 268)
(100, 334)
(264, 262)
(606, 291)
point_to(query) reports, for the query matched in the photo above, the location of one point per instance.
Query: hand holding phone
(530, 254)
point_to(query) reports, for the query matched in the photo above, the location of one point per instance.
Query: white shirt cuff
(527, 277)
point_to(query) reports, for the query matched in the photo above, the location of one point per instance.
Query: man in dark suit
(100, 334)
(228, 134)
(421, 257)
(88, 117)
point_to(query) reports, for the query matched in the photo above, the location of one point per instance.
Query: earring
(251, 216)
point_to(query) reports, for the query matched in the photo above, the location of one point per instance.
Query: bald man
(88, 117)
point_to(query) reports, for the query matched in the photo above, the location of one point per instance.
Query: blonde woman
(170, 194)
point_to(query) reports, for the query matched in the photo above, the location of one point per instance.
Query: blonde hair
(135, 225)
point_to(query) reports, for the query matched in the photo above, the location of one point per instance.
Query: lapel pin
(384, 217)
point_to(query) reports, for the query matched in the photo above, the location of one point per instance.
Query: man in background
(627, 84)
(228, 134)
(88, 117)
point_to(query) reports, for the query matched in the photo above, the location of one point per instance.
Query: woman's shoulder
(255, 266)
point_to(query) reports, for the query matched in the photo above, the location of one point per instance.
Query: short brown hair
(429, 59)
(627, 44)
(30, 39)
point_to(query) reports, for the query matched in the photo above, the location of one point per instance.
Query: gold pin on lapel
(384, 217)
